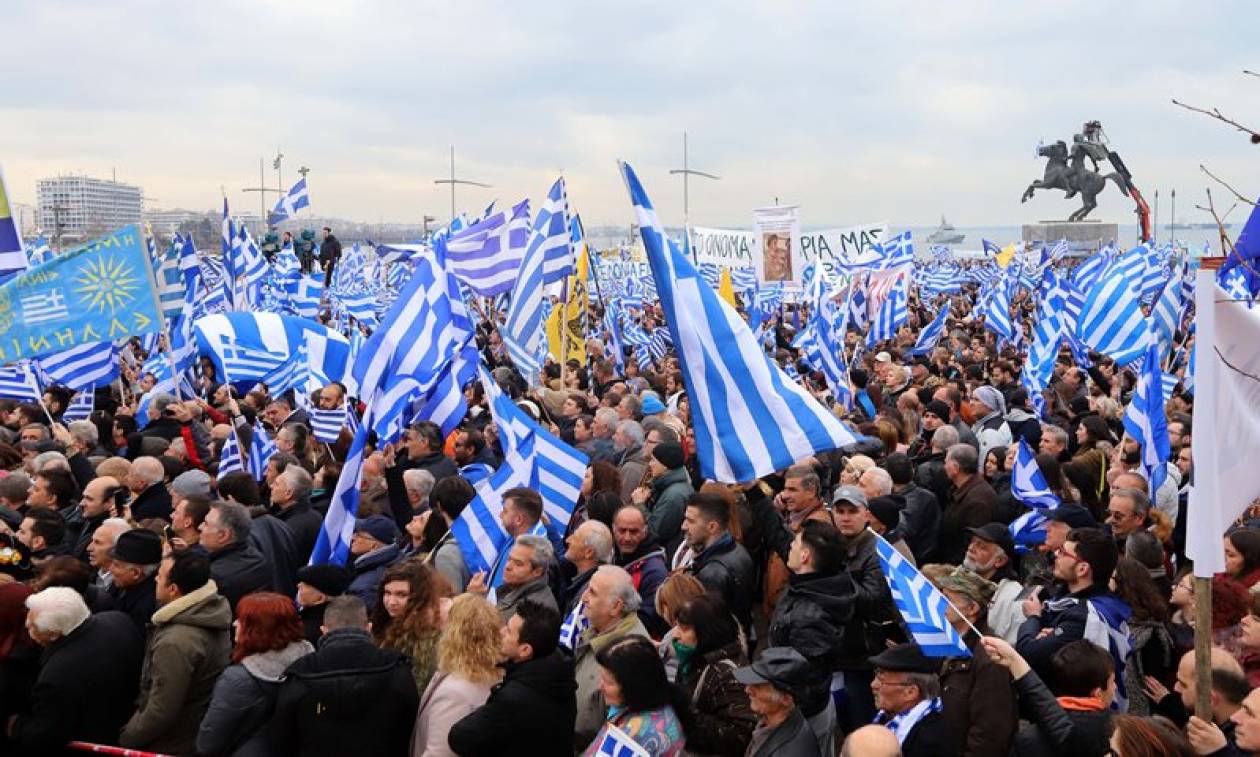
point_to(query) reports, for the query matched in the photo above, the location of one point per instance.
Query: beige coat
(445, 702)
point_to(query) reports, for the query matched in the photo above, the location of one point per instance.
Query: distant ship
(945, 234)
(1202, 225)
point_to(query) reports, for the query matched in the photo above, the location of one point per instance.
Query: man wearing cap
(935, 415)
(666, 497)
(908, 694)
(989, 408)
(774, 683)
(133, 565)
(875, 619)
(977, 695)
(991, 555)
(373, 547)
(316, 585)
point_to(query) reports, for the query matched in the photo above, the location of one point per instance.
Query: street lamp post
(453, 181)
(687, 172)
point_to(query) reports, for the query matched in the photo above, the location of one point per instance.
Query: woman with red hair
(19, 656)
(269, 638)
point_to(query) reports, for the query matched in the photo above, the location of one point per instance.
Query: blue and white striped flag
(261, 449)
(1166, 317)
(930, 335)
(475, 473)
(86, 366)
(326, 425)
(17, 382)
(1144, 419)
(617, 743)
(750, 418)
(231, 461)
(921, 605)
(80, 408)
(574, 624)
(487, 255)
(891, 315)
(333, 543)
(293, 201)
(523, 332)
(1028, 485)
(997, 314)
(1112, 321)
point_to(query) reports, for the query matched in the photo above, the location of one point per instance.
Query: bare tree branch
(1216, 113)
(1221, 181)
(1227, 247)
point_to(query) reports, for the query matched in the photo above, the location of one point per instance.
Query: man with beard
(644, 559)
(991, 555)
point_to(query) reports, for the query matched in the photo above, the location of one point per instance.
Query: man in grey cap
(989, 408)
(773, 684)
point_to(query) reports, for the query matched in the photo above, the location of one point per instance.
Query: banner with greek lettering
(101, 291)
(616, 268)
(733, 248)
(728, 248)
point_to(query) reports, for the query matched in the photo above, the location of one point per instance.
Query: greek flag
(86, 366)
(1028, 485)
(1144, 419)
(822, 341)
(997, 315)
(333, 543)
(80, 408)
(326, 425)
(891, 315)
(487, 255)
(291, 203)
(248, 260)
(1088, 272)
(897, 251)
(475, 473)
(261, 448)
(1131, 266)
(1106, 627)
(574, 624)
(253, 346)
(1166, 317)
(230, 460)
(920, 604)
(617, 743)
(750, 418)
(1112, 322)
(930, 335)
(189, 265)
(523, 331)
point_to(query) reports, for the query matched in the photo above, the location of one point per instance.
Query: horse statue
(1069, 174)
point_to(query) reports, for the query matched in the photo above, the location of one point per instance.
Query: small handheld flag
(921, 605)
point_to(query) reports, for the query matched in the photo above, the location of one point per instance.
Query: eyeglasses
(885, 682)
(1117, 515)
(1063, 552)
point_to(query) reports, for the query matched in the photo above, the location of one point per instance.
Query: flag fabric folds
(261, 448)
(931, 334)
(231, 461)
(84, 367)
(80, 407)
(1111, 320)
(921, 605)
(1144, 419)
(523, 333)
(293, 201)
(487, 255)
(750, 418)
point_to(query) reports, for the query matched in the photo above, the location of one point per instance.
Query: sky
(856, 112)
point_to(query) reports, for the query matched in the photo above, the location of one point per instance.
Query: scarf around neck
(901, 725)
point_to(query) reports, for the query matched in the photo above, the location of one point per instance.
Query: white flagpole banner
(775, 232)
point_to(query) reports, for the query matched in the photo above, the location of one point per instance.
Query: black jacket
(88, 530)
(329, 250)
(875, 618)
(238, 569)
(154, 502)
(532, 712)
(920, 523)
(312, 619)
(82, 694)
(726, 567)
(792, 738)
(810, 617)
(82, 470)
(305, 524)
(139, 602)
(1068, 625)
(347, 697)
(1055, 731)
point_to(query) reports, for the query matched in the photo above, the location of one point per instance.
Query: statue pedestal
(1080, 235)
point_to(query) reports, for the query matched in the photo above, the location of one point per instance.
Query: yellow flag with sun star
(566, 326)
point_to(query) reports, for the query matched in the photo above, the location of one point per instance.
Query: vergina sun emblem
(107, 284)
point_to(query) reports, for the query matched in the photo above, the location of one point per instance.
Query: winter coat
(139, 601)
(304, 523)
(811, 617)
(530, 713)
(274, 541)
(449, 562)
(920, 521)
(86, 531)
(240, 569)
(448, 699)
(875, 618)
(929, 473)
(791, 738)
(970, 506)
(154, 502)
(1053, 731)
(536, 591)
(189, 645)
(978, 703)
(722, 721)
(591, 708)
(658, 732)
(669, 500)
(1068, 625)
(81, 694)
(647, 570)
(726, 568)
(991, 431)
(242, 703)
(1024, 425)
(632, 464)
(368, 571)
(346, 697)
(312, 621)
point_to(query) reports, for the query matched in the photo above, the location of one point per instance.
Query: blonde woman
(468, 653)
(854, 467)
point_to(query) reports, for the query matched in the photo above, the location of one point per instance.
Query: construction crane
(1095, 140)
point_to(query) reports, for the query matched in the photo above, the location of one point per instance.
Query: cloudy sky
(893, 111)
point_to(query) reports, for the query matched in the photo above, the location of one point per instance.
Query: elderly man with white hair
(147, 484)
(80, 438)
(612, 607)
(103, 541)
(80, 694)
(291, 503)
(417, 483)
(989, 408)
(588, 547)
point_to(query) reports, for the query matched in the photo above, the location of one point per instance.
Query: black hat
(1075, 516)
(332, 580)
(906, 658)
(938, 408)
(887, 510)
(139, 546)
(669, 454)
(782, 667)
(996, 533)
(1079, 405)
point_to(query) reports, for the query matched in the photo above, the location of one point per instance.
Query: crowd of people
(150, 602)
